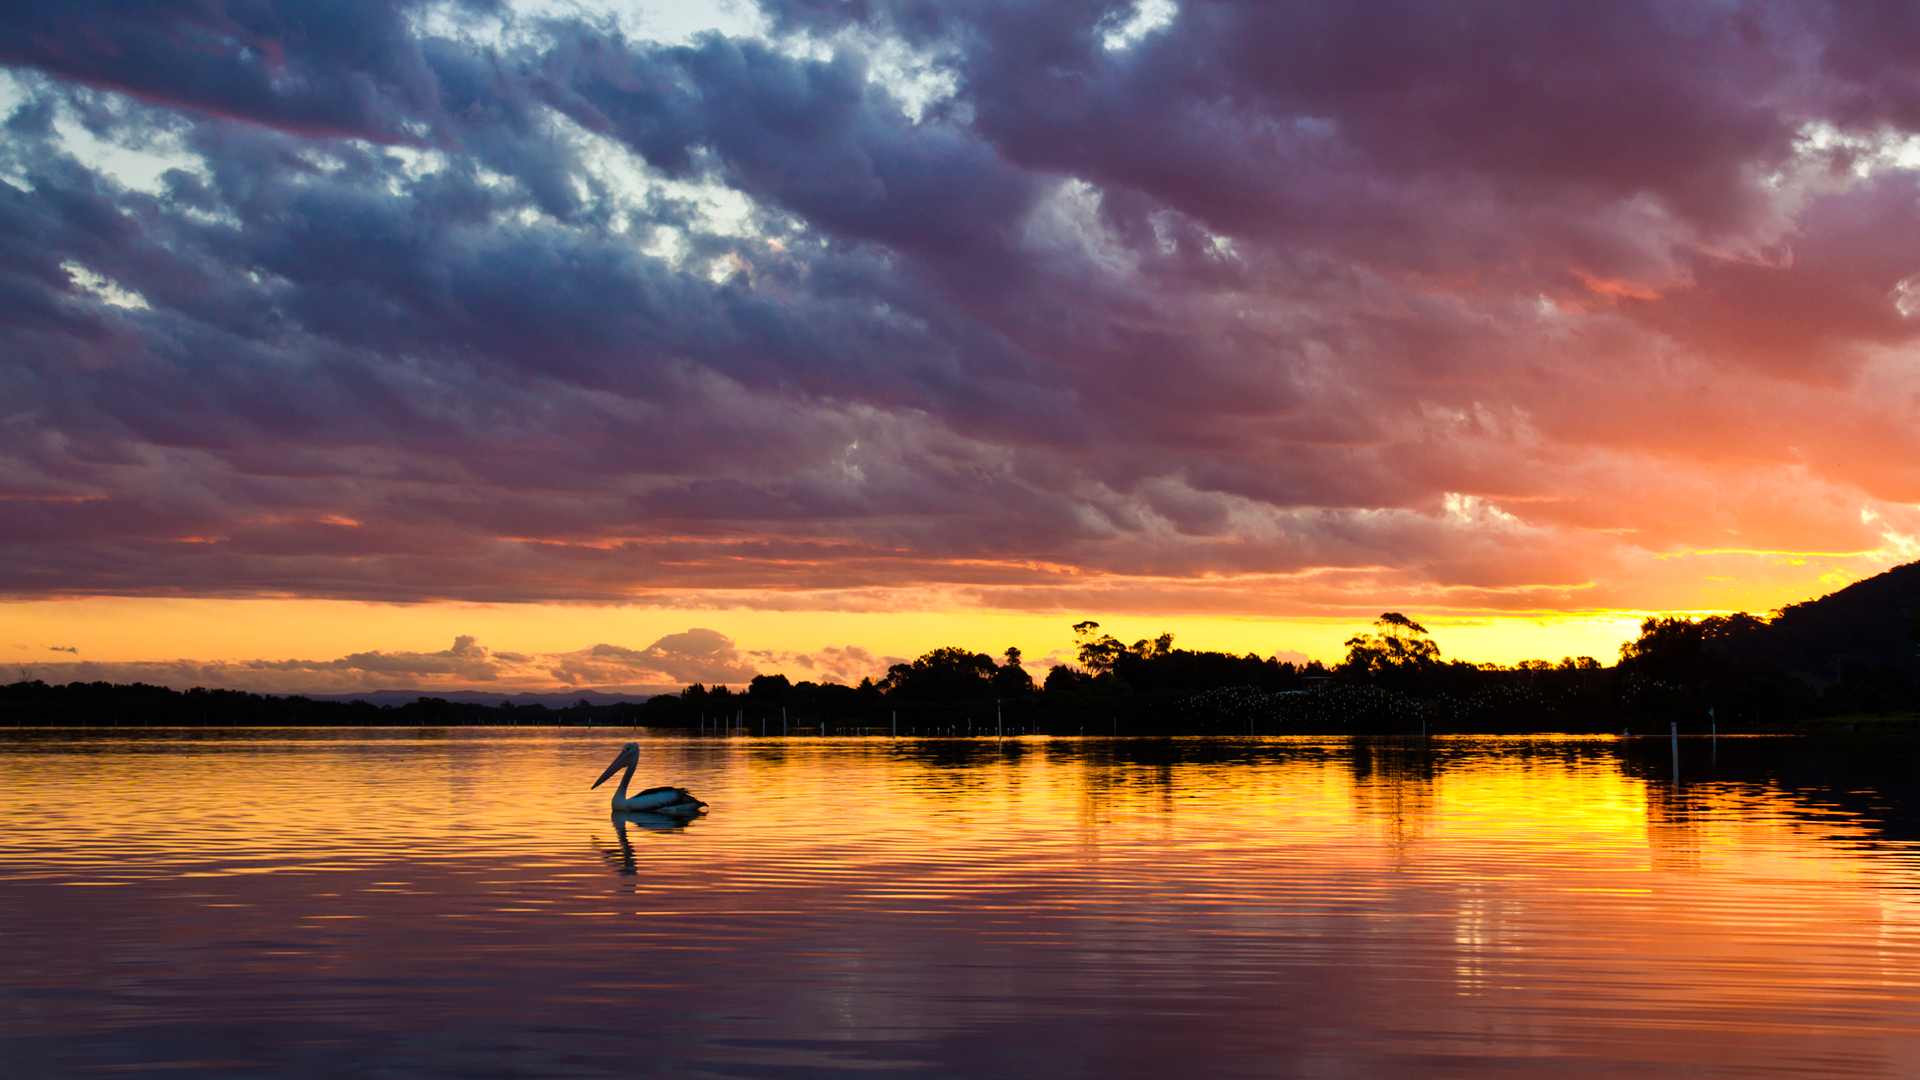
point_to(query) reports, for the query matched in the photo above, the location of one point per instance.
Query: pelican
(654, 800)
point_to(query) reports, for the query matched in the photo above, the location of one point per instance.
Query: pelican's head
(628, 757)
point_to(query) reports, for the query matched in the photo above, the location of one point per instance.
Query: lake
(456, 903)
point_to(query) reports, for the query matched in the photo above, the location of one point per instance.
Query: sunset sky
(352, 344)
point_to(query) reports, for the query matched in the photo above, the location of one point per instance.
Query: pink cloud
(1298, 308)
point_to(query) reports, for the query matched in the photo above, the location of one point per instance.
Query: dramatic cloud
(1208, 307)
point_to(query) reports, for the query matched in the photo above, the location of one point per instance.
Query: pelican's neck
(620, 795)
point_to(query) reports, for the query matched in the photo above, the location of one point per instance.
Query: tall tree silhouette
(1399, 651)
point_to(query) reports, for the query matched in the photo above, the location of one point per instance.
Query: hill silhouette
(1868, 623)
(1847, 654)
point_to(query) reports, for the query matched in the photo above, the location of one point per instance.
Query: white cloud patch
(1147, 17)
(132, 150)
(105, 289)
(1906, 297)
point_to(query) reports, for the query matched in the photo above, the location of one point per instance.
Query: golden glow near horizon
(107, 634)
(323, 646)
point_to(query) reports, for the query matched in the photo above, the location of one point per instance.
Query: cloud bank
(666, 666)
(1229, 307)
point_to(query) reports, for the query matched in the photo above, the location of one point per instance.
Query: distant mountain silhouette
(484, 697)
(1867, 622)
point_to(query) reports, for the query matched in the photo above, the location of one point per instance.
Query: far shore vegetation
(1843, 661)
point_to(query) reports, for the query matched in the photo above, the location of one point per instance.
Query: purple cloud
(1265, 308)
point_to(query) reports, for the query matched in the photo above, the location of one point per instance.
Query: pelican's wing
(660, 798)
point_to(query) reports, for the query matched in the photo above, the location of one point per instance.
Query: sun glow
(248, 643)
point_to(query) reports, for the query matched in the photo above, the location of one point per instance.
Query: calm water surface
(335, 903)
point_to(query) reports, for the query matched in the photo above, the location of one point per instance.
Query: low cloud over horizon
(1232, 308)
(666, 666)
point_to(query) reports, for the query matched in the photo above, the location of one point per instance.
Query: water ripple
(458, 903)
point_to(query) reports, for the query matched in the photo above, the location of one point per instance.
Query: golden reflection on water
(1030, 907)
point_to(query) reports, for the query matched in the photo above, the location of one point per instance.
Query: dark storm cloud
(323, 67)
(812, 137)
(1348, 125)
(1478, 297)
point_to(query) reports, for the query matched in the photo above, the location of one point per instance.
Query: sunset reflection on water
(351, 903)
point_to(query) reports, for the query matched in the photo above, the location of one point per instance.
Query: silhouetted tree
(945, 674)
(1670, 650)
(664, 711)
(1398, 651)
(1097, 652)
(769, 691)
(1010, 679)
(1061, 678)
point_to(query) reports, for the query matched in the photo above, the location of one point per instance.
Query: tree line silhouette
(1393, 679)
(33, 703)
(1849, 653)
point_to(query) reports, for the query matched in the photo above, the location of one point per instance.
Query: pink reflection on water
(344, 904)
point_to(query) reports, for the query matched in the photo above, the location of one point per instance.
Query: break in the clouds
(673, 662)
(1089, 306)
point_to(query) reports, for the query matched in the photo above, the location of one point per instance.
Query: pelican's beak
(619, 762)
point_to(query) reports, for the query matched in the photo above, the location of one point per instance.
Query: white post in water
(1673, 727)
(783, 721)
(999, 721)
(896, 723)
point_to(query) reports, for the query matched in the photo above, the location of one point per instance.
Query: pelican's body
(654, 800)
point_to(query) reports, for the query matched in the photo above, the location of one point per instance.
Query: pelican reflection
(622, 860)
